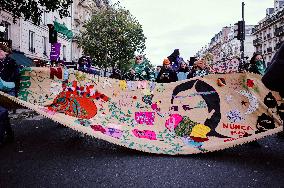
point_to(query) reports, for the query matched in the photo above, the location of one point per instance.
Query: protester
(8, 84)
(116, 74)
(199, 69)
(175, 59)
(183, 71)
(273, 79)
(158, 69)
(166, 74)
(257, 64)
(141, 70)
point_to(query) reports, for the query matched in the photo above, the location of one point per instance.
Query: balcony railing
(31, 49)
(257, 42)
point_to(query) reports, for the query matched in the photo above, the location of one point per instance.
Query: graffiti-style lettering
(55, 72)
(237, 127)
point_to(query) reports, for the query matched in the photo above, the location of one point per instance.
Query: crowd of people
(174, 69)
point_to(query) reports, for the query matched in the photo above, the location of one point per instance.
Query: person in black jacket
(8, 84)
(116, 74)
(199, 69)
(273, 78)
(166, 75)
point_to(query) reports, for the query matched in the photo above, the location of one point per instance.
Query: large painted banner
(185, 117)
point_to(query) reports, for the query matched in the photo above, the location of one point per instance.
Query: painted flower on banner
(234, 116)
(229, 98)
(147, 99)
(161, 88)
(84, 122)
(56, 88)
(250, 83)
(152, 85)
(221, 82)
(80, 76)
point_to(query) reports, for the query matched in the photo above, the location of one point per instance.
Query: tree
(33, 9)
(111, 37)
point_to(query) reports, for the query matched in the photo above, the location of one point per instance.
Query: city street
(46, 154)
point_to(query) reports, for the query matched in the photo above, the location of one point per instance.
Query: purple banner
(55, 51)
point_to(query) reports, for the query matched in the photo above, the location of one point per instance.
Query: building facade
(269, 33)
(82, 11)
(33, 40)
(224, 45)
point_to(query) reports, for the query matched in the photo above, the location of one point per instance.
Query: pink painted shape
(173, 121)
(98, 128)
(151, 135)
(147, 118)
(116, 133)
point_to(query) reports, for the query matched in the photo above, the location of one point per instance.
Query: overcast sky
(188, 24)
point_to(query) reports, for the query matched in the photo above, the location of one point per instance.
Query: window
(31, 41)
(43, 18)
(64, 52)
(44, 45)
(6, 34)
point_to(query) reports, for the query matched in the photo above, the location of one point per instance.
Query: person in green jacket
(141, 70)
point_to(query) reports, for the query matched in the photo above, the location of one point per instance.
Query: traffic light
(239, 30)
(52, 34)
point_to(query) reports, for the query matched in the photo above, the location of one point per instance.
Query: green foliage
(33, 9)
(111, 37)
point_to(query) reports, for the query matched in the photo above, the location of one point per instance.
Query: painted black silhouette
(264, 122)
(212, 100)
(270, 101)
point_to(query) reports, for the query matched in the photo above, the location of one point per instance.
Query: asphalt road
(47, 155)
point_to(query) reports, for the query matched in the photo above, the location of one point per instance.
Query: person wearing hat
(8, 84)
(199, 69)
(166, 74)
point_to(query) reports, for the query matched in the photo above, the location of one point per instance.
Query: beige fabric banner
(186, 117)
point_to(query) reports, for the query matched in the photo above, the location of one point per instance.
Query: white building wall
(40, 32)
(14, 29)
(249, 48)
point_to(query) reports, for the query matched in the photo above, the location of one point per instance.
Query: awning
(21, 59)
(60, 28)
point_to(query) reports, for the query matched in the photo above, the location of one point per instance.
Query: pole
(243, 38)
(242, 66)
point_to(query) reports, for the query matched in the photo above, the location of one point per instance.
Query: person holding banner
(257, 64)
(167, 75)
(199, 69)
(273, 79)
(8, 82)
(141, 70)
